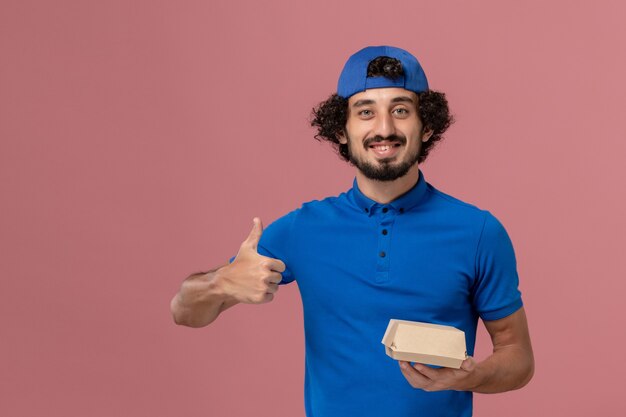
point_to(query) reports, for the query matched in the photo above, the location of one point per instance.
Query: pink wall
(138, 139)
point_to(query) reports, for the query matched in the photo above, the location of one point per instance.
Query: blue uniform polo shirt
(425, 256)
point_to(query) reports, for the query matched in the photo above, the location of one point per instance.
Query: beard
(385, 169)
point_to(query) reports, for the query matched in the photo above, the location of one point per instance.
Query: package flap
(433, 344)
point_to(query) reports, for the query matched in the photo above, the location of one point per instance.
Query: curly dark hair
(331, 115)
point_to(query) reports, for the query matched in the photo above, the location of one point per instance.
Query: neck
(384, 192)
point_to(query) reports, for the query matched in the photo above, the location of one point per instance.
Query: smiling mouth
(384, 147)
(385, 150)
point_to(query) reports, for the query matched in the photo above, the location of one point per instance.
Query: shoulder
(324, 206)
(307, 211)
(483, 223)
(453, 207)
(443, 199)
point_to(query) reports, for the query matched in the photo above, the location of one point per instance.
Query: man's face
(383, 132)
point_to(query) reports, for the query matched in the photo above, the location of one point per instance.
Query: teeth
(382, 148)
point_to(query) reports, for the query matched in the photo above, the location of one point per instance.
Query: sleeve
(276, 242)
(496, 293)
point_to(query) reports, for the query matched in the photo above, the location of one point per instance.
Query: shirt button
(401, 210)
(367, 210)
(384, 231)
(382, 254)
(385, 209)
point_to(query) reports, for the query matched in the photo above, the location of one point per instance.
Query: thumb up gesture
(252, 278)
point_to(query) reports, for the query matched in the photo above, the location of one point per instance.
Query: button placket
(385, 219)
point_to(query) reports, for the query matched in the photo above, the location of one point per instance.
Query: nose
(384, 125)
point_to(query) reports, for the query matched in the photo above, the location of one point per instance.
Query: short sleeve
(495, 293)
(275, 243)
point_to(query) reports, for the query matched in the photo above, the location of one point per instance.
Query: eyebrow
(400, 99)
(361, 103)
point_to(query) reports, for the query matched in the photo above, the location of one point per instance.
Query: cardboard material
(431, 344)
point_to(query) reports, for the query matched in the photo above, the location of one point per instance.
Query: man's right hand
(251, 278)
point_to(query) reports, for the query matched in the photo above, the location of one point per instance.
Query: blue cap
(354, 79)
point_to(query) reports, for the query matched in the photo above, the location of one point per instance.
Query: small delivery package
(427, 343)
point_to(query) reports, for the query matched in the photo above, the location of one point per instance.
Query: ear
(426, 135)
(341, 137)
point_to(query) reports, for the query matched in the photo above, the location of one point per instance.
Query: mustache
(391, 138)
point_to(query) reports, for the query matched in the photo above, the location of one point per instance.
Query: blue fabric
(445, 262)
(353, 78)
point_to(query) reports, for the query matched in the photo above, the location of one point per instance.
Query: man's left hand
(439, 379)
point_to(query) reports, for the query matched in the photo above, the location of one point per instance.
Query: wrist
(218, 284)
(476, 378)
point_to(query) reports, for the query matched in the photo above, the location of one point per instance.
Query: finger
(416, 379)
(468, 364)
(252, 241)
(267, 298)
(427, 371)
(274, 278)
(272, 288)
(276, 265)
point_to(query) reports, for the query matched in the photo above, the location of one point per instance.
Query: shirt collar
(405, 202)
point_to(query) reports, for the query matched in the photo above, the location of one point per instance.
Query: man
(391, 247)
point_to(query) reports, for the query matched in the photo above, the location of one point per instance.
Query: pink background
(139, 138)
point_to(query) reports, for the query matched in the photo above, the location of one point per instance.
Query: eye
(365, 113)
(401, 111)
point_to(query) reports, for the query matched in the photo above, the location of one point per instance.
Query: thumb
(253, 238)
(468, 364)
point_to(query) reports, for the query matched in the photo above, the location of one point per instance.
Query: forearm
(511, 365)
(200, 300)
(508, 368)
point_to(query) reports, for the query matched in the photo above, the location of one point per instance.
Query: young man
(393, 246)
